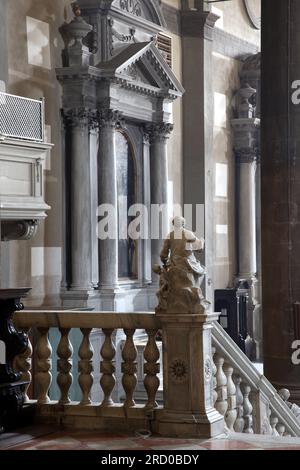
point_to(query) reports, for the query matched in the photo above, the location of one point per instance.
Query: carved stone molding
(252, 63)
(133, 7)
(179, 371)
(198, 24)
(18, 230)
(254, 13)
(247, 155)
(208, 369)
(159, 131)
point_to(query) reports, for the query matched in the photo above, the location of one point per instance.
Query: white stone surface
(220, 22)
(222, 250)
(46, 261)
(220, 111)
(38, 42)
(15, 178)
(221, 180)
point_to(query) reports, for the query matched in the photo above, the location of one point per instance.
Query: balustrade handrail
(95, 320)
(258, 382)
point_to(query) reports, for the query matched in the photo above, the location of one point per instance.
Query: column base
(186, 424)
(75, 298)
(125, 299)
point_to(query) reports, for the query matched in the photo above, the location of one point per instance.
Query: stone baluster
(151, 369)
(44, 366)
(221, 403)
(273, 423)
(64, 366)
(214, 393)
(239, 423)
(23, 362)
(280, 429)
(129, 368)
(108, 380)
(85, 366)
(248, 408)
(231, 413)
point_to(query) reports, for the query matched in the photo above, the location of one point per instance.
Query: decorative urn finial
(76, 31)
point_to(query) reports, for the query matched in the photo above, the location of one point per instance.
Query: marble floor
(47, 438)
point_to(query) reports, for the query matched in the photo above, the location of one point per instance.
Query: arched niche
(127, 184)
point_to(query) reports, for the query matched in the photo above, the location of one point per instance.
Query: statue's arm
(164, 255)
(197, 244)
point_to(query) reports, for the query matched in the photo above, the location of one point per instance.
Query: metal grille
(21, 118)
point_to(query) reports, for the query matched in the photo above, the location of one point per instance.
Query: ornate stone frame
(255, 20)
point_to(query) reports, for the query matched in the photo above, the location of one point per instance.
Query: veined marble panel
(38, 43)
(15, 178)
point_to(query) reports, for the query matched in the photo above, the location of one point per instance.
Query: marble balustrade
(237, 396)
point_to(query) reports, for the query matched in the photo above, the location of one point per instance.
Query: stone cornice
(198, 24)
(227, 44)
(94, 74)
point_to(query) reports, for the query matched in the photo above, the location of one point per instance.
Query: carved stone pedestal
(188, 374)
(12, 390)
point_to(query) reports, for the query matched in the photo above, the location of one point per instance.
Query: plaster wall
(236, 20)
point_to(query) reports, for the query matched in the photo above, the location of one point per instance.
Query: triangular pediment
(144, 64)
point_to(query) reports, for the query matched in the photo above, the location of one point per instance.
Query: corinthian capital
(110, 118)
(159, 131)
(78, 117)
(247, 155)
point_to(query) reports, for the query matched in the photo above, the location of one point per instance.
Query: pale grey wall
(3, 42)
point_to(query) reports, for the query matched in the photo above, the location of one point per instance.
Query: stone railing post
(188, 373)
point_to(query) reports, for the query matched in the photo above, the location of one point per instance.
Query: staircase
(246, 399)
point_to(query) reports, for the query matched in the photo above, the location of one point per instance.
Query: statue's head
(76, 9)
(284, 393)
(178, 222)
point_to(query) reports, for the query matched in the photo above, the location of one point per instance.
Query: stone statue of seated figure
(182, 274)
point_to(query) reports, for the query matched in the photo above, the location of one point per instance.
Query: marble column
(78, 121)
(246, 145)
(280, 172)
(108, 195)
(159, 134)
